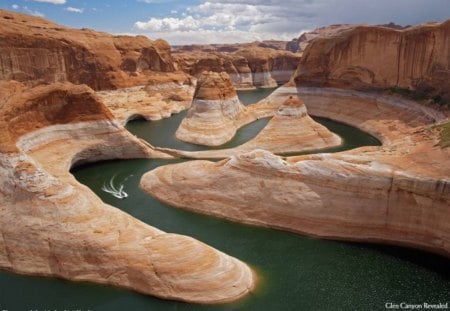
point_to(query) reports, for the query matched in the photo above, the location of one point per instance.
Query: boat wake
(116, 190)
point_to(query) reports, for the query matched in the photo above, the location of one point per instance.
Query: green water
(297, 273)
(253, 96)
(151, 132)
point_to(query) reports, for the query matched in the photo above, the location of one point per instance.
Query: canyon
(66, 94)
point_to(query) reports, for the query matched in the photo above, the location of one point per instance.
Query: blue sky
(219, 21)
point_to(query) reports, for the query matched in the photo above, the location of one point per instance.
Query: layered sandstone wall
(417, 58)
(247, 67)
(35, 50)
(51, 225)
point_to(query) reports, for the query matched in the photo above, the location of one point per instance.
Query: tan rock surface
(417, 58)
(398, 193)
(51, 225)
(212, 118)
(35, 50)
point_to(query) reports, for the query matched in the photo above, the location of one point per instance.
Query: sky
(226, 21)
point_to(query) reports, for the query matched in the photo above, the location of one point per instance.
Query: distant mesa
(248, 65)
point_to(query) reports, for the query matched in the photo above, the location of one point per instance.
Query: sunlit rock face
(35, 50)
(212, 118)
(375, 57)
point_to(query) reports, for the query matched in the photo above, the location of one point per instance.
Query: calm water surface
(297, 273)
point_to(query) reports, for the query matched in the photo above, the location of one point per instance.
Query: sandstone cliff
(248, 67)
(50, 225)
(36, 50)
(417, 58)
(211, 120)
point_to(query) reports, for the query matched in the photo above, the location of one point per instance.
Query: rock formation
(417, 58)
(290, 130)
(211, 120)
(398, 193)
(35, 50)
(248, 67)
(51, 225)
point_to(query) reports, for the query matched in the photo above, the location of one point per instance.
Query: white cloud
(173, 12)
(73, 10)
(51, 1)
(155, 1)
(15, 6)
(214, 21)
(33, 12)
(169, 24)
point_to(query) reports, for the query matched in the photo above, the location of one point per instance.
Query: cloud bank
(217, 21)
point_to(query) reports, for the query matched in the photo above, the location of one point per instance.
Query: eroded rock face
(248, 67)
(211, 120)
(416, 58)
(35, 50)
(51, 225)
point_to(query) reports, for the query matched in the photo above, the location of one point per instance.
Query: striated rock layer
(51, 225)
(212, 118)
(416, 58)
(35, 50)
(398, 193)
(248, 67)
